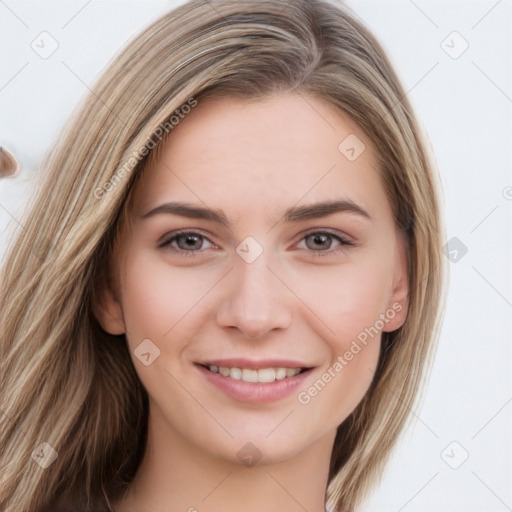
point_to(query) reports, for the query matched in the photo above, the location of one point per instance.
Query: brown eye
(185, 243)
(189, 241)
(319, 241)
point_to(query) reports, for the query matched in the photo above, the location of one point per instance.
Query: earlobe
(399, 298)
(106, 307)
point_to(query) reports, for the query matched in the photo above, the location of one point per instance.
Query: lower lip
(257, 392)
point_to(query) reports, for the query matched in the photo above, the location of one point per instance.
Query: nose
(255, 300)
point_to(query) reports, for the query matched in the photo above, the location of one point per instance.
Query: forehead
(263, 156)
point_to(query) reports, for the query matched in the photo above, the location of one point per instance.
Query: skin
(303, 298)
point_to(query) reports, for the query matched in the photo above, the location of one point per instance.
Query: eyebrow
(292, 214)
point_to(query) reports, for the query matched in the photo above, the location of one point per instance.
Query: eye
(321, 241)
(191, 243)
(185, 243)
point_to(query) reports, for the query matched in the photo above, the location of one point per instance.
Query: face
(261, 246)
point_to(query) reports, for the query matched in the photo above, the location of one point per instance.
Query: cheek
(350, 306)
(347, 298)
(162, 303)
(158, 298)
(350, 300)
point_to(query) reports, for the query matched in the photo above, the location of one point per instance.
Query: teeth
(235, 373)
(249, 375)
(290, 372)
(266, 375)
(223, 371)
(280, 373)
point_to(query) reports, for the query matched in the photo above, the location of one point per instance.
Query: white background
(465, 105)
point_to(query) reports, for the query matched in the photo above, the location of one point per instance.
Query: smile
(266, 375)
(257, 382)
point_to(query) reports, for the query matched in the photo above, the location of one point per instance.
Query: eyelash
(166, 243)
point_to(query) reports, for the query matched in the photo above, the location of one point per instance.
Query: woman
(230, 285)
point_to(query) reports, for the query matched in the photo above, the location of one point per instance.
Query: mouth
(265, 375)
(255, 382)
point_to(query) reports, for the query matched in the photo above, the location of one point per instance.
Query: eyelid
(347, 239)
(343, 239)
(166, 240)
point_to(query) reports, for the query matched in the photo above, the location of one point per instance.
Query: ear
(399, 296)
(106, 305)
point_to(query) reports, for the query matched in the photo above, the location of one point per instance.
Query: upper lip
(255, 364)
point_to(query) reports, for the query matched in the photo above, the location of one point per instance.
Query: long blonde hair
(65, 381)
